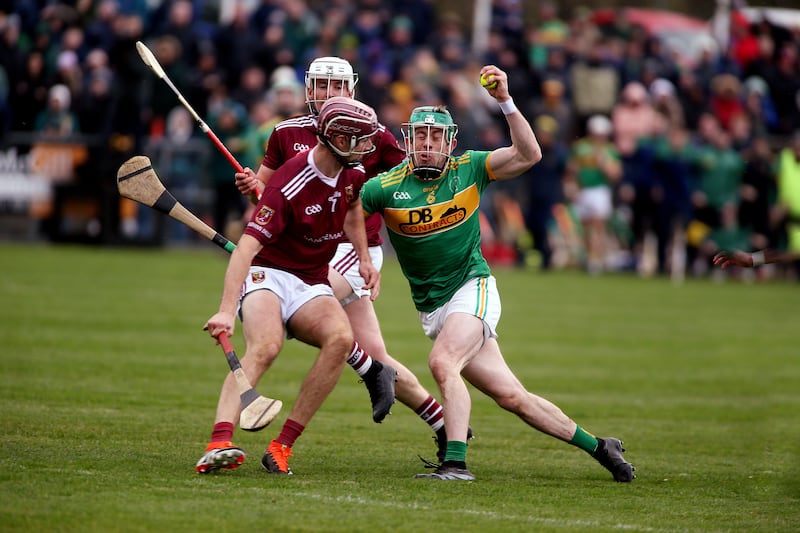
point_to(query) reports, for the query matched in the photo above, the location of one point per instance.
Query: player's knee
(441, 367)
(264, 353)
(510, 401)
(339, 341)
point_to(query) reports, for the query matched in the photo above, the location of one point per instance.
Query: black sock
(374, 369)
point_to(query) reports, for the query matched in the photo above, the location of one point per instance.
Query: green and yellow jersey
(434, 226)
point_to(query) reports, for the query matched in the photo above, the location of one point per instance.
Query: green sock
(456, 451)
(583, 440)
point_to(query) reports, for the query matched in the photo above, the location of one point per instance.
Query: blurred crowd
(651, 163)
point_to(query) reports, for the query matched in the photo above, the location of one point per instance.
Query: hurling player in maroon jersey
(327, 77)
(277, 277)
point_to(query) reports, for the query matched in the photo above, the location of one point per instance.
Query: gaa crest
(264, 215)
(348, 193)
(258, 276)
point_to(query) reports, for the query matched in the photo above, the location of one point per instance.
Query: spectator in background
(68, 71)
(741, 130)
(553, 103)
(728, 236)
(789, 191)
(205, 78)
(29, 93)
(132, 76)
(100, 31)
(632, 60)
(401, 44)
(97, 101)
(182, 163)
(422, 14)
(594, 83)
(273, 50)
(181, 24)
(545, 186)
(284, 99)
(229, 121)
(674, 167)
(593, 168)
(57, 119)
(725, 101)
(549, 31)
(252, 86)
(743, 42)
(665, 101)
(719, 183)
(633, 121)
(691, 95)
(758, 105)
(758, 188)
(237, 43)
(784, 85)
(171, 56)
(300, 26)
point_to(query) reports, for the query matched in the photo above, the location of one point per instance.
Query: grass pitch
(109, 386)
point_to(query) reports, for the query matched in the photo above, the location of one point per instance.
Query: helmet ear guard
(429, 118)
(344, 116)
(328, 69)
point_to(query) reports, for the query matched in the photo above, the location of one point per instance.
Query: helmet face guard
(352, 119)
(335, 75)
(429, 134)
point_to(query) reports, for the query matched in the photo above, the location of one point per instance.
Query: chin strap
(339, 157)
(425, 173)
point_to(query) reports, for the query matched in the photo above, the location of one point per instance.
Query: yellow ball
(488, 84)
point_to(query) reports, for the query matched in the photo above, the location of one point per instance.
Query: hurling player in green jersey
(430, 206)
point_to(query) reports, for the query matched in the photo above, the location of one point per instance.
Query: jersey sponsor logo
(300, 147)
(258, 277)
(264, 215)
(313, 209)
(437, 218)
(327, 237)
(422, 222)
(260, 229)
(401, 195)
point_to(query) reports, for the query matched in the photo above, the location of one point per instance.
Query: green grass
(108, 389)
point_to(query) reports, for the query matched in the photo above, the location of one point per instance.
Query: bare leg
(457, 343)
(320, 322)
(490, 374)
(262, 347)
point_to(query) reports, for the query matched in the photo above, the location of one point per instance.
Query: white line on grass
(557, 522)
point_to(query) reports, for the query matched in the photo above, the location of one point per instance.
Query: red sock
(431, 412)
(289, 433)
(359, 360)
(223, 432)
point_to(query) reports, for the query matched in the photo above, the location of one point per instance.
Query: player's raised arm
(524, 152)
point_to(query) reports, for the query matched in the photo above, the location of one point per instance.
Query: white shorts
(594, 202)
(478, 297)
(290, 290)
(345, 262)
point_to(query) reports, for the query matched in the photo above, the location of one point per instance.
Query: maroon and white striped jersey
(294, 135)
(300, 217)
